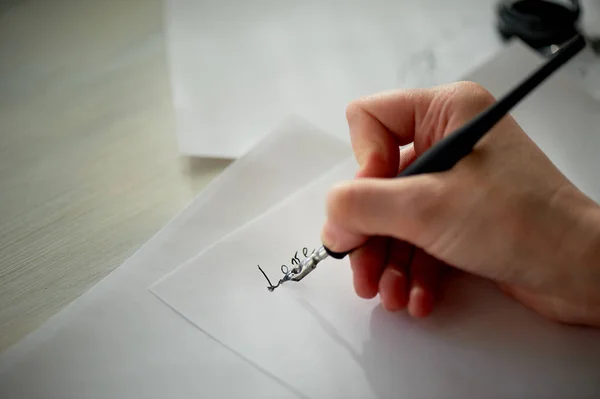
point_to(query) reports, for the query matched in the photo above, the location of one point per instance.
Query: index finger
(380, 124)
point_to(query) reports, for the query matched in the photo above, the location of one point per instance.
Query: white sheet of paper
(119, 341)
(237, 66)
(324, 341)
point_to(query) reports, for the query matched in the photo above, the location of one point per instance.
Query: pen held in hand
(454, 147)
(457, 145)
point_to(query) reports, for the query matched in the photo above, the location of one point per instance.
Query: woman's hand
(504, 212)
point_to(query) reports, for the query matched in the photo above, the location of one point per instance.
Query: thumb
(413, 209)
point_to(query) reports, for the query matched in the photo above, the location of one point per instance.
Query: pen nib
(302, 269)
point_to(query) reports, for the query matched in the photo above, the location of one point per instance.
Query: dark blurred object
(595, 45)
(541, 24)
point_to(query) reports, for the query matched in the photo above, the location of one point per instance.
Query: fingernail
(338, 239)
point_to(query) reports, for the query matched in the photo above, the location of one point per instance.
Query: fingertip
(420, 302)
(337, 212)
(425, 278)
(336, 196)
(344, 205)
(364, 288)
(375, 148)
(367, 265)
(337, 239)
(392, 288)
(376, 165)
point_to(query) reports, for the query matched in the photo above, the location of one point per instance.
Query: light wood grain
(89, 168)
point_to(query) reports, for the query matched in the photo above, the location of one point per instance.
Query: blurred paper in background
(237, 68)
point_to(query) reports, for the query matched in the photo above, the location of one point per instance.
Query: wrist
(591, 251)
(582, 259)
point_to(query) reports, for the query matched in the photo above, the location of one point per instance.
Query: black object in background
(539, 23)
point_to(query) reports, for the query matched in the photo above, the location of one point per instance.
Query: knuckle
(430, 212)
(476, 93)
(430, 199)
(353, 109)
(341, 200)
(357, 205)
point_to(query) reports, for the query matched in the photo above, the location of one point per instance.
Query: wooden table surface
(89, 167)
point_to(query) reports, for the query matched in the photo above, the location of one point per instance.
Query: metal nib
(304, 267)
(309, 264)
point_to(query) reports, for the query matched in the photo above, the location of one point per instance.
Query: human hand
(504, 212)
